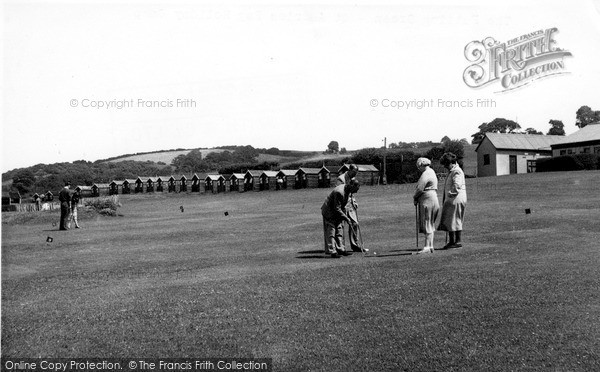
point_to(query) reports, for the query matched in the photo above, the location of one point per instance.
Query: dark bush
(587, 161)
(568, 163)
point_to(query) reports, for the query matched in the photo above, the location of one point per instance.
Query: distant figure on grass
(351, 208)
(74, 201)
(426, 200)
(334, 215)
(64, 196)
(454, 201)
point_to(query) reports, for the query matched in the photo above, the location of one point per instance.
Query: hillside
(161, 156)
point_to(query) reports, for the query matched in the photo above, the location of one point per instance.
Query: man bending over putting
(334, 215)
(351, 208)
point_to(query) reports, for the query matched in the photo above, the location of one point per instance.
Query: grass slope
(157, 282)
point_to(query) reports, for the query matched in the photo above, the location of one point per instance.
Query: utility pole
(384, 165)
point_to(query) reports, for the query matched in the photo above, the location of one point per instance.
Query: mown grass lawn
(523, 294)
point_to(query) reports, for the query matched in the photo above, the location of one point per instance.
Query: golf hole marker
(528, 211)
(226, 213)
(49, 239)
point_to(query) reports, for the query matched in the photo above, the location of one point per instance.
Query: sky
(91, 80)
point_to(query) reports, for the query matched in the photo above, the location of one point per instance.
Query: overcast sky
(272, 74)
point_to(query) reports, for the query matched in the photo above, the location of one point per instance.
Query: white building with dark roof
(584, 141)
(510, 153)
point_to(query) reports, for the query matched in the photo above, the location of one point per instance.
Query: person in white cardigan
(454, 201)
(426, 200)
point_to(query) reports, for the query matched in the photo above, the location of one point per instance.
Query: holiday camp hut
(316, 177)
(10, 199)
(170, 181)
(165, 183)
(127, 185)
(268, 180)
(139, 185)
(84, 190)
(214, 183)
(510, 153)
(151, 184)
(198, 181)
(183, 183)
(286, 177)
(367, 174)
(236, 182)
(49, 196)
(252, 180)
(114, 186)
(100, 189)
(301, 181)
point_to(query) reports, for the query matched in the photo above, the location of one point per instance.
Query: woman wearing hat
(426, 200)
(454, 202)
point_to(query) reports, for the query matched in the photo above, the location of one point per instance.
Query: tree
(190, 162)
(333, 147)
(557, 128)
(23, 181)
(498, 125)
(585, 115)
(532, 131)
(343, 150)
(445, 139)
(245, 154)
(456, 147)
(435, 153)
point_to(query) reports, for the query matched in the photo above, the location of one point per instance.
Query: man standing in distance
(334, 215)
(351, 208)
(64, 196)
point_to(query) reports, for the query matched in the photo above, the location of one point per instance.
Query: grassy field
(523, 294)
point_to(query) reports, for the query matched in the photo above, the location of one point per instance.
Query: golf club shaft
(417, 222)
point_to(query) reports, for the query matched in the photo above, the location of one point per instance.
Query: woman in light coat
(454, 201)
(426, 200)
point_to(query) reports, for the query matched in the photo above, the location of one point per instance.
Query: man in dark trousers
(64, 196)
(351, 208)
(334, 215)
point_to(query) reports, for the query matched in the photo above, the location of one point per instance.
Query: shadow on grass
(312, 252)
(390, 254)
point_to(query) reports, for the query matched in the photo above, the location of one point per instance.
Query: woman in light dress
(426, 200)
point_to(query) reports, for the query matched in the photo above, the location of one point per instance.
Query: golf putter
(417, 222)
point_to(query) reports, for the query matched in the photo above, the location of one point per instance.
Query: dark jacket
(64, 195)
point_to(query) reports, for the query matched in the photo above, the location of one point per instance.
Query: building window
(563, 152)
(531, 166)
(597, 150)
(486, 159)
(586, 150)
(569, 151)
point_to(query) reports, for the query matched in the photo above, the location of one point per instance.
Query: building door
(512, 161)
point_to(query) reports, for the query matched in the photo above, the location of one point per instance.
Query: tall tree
(333, 146)
(557, 128)
(585, 115)
(498, 125)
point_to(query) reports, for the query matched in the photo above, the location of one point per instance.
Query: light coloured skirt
(453, 213)
(429, 208)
